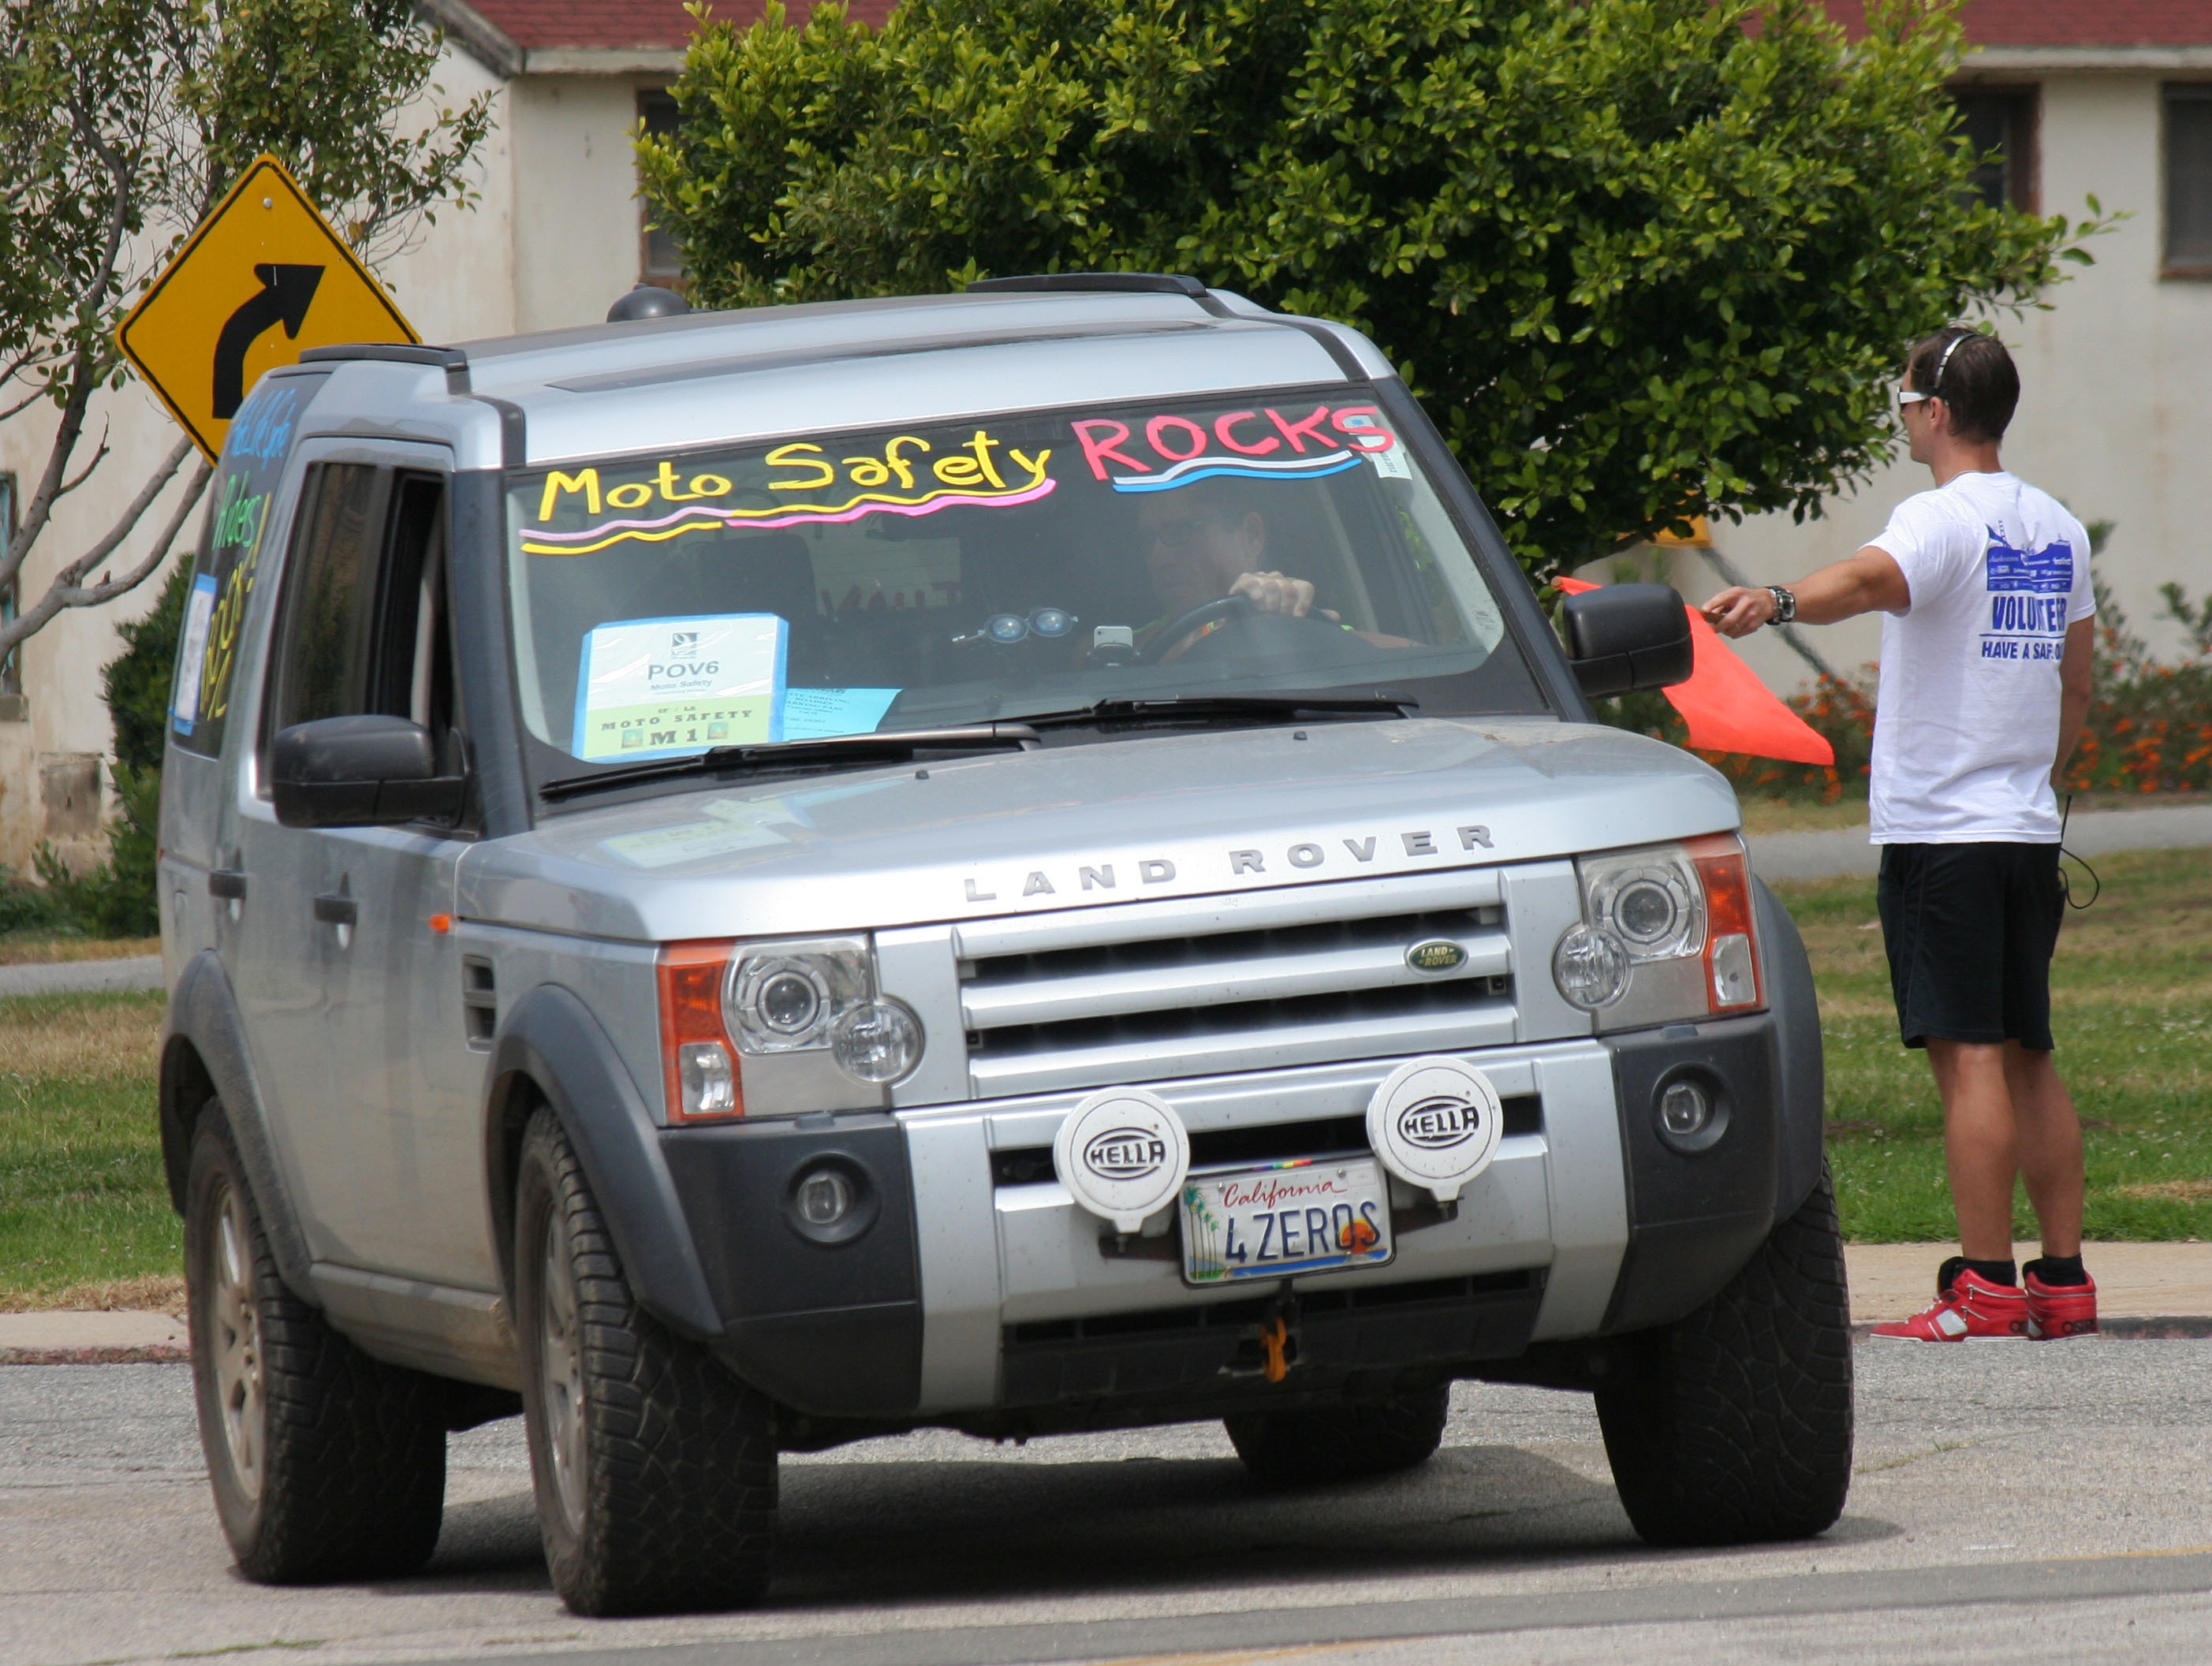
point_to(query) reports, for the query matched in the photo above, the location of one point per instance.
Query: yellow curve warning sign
(264, 279)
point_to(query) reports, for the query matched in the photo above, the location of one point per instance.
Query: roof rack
(1170, 284)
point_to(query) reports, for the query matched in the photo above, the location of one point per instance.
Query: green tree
(122, 124)
(1644, 259)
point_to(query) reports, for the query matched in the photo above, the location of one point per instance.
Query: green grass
(2131, 998)
(84, 1212)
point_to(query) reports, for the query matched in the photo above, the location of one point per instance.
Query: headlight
(777, 1028)
(783, 998)
(1666, 937)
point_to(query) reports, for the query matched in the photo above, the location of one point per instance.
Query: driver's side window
(362, 627)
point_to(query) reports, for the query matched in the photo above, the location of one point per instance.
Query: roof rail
(1169, 283)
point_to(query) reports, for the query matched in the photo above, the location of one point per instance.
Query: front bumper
(980, 1288)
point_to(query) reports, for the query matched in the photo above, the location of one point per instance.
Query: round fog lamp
(879, 1041)
(1590, 966)
(824, 1198)
(1685, 1109)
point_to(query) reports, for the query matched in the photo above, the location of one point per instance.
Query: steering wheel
(1223, 608)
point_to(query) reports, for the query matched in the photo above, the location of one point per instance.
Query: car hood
(1073, 825)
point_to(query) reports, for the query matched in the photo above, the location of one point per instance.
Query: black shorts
(1970, 929)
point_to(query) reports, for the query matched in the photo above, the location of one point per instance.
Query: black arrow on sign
(286, 292)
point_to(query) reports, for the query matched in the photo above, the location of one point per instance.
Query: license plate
(1302, 1216)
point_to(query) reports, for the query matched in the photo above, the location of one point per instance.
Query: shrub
(1645, 259)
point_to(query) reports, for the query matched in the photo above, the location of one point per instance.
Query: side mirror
(359, 772)
(1628, 637)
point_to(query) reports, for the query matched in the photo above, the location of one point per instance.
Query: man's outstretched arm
(1867, 582)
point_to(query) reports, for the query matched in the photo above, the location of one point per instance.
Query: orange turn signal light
(1733, 983)
(701, 1065)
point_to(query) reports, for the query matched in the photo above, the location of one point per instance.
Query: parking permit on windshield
(661, 688)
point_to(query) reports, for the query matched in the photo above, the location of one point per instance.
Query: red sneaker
(1972, 1306)
(2056, 1312)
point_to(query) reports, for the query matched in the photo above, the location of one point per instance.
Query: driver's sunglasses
(1180, 535)
(1905, 396)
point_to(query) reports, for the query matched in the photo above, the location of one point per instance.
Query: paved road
(2014, 1502)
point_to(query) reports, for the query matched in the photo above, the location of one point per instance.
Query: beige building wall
(2115, 416)
(577, 247)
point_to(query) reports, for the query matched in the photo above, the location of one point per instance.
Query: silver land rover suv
(1024, 862)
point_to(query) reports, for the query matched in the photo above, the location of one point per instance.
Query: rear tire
(1735, 1424)
(1342, 1443)
(326, 1464)
(655, 1469)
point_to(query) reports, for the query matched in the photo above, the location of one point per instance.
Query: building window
(2189, 179)
(11, 676)
(660, 256)
(1999, 119)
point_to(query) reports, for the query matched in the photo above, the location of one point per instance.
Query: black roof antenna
(647, 301)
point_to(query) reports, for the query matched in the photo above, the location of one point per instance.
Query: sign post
(264, 278)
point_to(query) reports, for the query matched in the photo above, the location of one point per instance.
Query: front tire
(1734, 1424)
(326, 1464)
(654, 1467)
(1341, 1442)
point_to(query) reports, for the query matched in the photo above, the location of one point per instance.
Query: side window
(330, 602)
(363, 628)
(2002, 119)
(2189, 179)
(660, 257)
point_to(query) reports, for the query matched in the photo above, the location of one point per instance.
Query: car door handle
(335, 911)
(227, 882)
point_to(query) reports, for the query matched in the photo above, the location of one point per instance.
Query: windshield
(951, 573)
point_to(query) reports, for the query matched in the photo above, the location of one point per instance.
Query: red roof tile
(2069, 22)
(651, 25)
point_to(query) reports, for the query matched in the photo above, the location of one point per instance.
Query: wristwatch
(1785, 604)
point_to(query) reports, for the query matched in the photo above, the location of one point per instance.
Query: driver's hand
(1270, 592)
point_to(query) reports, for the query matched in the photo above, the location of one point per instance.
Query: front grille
(1305, 975)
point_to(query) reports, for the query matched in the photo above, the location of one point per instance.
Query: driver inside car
(1205, 542)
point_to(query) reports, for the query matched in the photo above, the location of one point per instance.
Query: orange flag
(1728, 708)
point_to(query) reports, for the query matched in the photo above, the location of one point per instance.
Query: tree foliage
(122, 124)
(1644, 259)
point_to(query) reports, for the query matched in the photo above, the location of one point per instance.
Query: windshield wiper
(1199, 708)
(849, 750)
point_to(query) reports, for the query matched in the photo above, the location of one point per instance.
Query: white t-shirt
(1967, 716)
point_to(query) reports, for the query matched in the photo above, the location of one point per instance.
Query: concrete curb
(152, 1354)
(2171, 1328)
(58, 977)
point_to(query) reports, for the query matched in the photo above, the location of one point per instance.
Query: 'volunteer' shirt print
(1966, 715)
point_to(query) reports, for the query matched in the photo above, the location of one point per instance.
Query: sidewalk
(76, 976)
(1829, 855)
(2144, 1289)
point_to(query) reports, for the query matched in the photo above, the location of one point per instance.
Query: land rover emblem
(1439, 1123)
(1438, 954)
(1125, 1154)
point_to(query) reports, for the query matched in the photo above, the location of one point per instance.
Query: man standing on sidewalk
(1985, 643)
